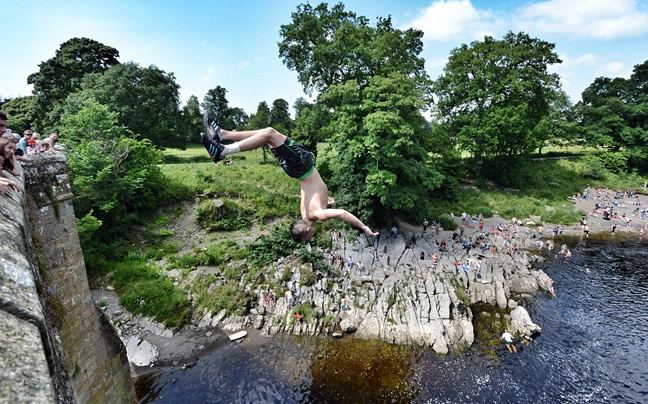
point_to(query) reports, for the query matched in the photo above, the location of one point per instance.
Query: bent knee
(273, 137)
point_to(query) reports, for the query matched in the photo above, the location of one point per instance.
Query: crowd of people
(15, 149)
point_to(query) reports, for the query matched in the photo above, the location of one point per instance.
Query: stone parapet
(57, 346)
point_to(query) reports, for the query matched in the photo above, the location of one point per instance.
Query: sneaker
(212, 127)
(214, 148)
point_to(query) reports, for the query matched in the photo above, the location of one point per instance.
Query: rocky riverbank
(400, 295)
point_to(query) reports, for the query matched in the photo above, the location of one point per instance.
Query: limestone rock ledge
(401, 298)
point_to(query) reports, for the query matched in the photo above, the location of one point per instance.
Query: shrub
(447, 222)
(159, 299)
(593, 168)
(269, 248)
(305, 310)
(223, 215)
(228, 297)
(614, 161)
(485, 211)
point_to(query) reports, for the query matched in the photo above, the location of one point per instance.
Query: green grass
(143, 289)
(261, 186)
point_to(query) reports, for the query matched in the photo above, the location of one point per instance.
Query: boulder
(347, 326)
(521, 322)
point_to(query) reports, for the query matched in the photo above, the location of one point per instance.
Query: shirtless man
(296, 161)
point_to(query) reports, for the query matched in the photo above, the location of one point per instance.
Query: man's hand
(370, 233)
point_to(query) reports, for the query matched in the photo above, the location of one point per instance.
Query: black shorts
(295, 160)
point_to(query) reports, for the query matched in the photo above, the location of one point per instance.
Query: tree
(372, 88)
(260, 120)
(192, 119)
(493, 94)
(239, 118)
(218, 107)
(308, 127)
(327, 47)
(114, 176)
(615, 115)
(61, 76)
(300, 104)
(17, 110)
(280, 116)
(380, 153)
(146, 101)
(560, 125)
(216, 104)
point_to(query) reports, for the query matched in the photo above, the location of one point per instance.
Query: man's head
(3, 123)
(54, 136)
(28, 134)
(300, 230)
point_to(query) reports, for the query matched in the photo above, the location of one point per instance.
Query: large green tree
(331, 46)
(308, 127)
(493, 93)
(380, 152)
(146, 101)
(215, 102)
(192, 120)
(372, 89)
(114, 176)
(614, 114)
(61, 76)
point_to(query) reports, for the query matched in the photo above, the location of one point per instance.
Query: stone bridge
(57, 346)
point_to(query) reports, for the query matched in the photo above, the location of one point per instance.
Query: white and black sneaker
(212, 127)
(214, 147)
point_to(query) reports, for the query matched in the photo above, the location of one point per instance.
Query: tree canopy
(18, 112)
(371, 83)
(61, 76)
(114, 176)
(215, 102)
(146, 101)
(493, 93)
(331, 46)
(615, 115)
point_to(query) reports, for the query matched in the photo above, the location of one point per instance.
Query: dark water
(593, 349)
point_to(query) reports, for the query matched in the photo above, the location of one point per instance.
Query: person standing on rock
(508, 339)
(296, 161)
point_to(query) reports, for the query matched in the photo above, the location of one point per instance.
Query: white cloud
(242, 65)
(455, 20)
(603, 19)
(613, 68)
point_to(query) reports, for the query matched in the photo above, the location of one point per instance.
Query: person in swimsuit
(296, 161)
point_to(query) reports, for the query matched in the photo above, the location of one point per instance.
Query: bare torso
(314, 196)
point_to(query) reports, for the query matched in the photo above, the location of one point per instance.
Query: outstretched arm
(327, 214)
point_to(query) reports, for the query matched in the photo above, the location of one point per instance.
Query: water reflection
(593, 349)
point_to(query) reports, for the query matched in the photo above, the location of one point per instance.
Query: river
(593, 349)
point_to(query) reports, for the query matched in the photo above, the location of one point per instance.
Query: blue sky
(234, 43)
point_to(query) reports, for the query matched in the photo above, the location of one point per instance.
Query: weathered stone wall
(57, 346)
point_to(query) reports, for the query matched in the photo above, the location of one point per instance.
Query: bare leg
(253, 139)
(236, 135)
